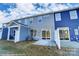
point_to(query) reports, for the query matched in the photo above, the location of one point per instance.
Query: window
(73, 14)
(58, 17)
(48, 34)
(45, 34)
(76, 31)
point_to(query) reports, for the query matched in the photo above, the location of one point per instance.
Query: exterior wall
(39, 23)
(67, 22)
(44, 22)
(24, 33)
(4, 33)
(23, 21)
(1, 30)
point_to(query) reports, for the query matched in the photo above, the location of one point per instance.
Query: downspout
(56, 36)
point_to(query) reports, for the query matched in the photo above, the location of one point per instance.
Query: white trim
(78, 30)
(57, 39)
(13, 26)
(16, 23)
(19, 28)
(53, 28)
(73, 14)
(65, 28)
(1, 33)
(18, 35)
(20, 24)
(57, 16)
(8, 33)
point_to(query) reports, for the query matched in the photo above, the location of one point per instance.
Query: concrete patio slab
(69, 44)
(63, 43)
(45, 43)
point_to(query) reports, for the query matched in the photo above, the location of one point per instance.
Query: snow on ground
(45, 43)
(70, 44)
(64, 43)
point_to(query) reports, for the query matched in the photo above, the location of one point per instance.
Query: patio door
(16, 34)
(45, 34)
(33, 33)
(64, 33)
(13, 33)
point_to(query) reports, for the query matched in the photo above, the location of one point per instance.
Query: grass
(27, 49)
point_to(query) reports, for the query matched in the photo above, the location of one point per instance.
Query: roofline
(66, 9)
(52, 12)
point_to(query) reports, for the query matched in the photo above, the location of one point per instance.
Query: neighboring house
(53, 26)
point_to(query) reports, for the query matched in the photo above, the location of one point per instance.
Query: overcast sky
(11, 11)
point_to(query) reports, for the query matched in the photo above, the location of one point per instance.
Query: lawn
(26, 48)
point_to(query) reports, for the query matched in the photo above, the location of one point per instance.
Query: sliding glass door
(45, 34)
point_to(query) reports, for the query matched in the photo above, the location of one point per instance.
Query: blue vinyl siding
(4, 33)
(67, 22)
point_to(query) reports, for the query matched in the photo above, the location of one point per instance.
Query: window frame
(73, 14)
(76, 31)
(46, 35)
(57, 16)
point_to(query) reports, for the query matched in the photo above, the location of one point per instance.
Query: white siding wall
(1, 33)
(47, 22)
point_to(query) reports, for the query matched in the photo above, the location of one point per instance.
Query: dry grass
(27, 49)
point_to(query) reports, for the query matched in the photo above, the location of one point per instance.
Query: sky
(12, 11)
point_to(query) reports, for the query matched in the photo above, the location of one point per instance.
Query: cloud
(24, 10)
(58, 6)
(3, 16)
(21, 10)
